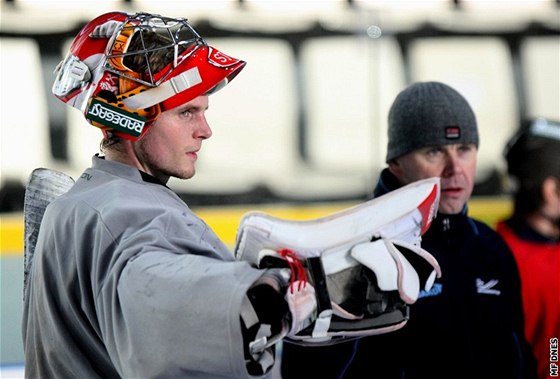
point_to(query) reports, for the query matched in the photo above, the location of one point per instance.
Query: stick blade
(43, 186)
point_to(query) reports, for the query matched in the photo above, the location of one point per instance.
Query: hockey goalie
(123, 279)
(350, 274)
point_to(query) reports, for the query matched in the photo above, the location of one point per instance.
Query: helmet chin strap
(165, 90)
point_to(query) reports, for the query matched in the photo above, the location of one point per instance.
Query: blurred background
(301, 132)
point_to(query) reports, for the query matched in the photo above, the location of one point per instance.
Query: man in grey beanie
(470, 324)
(433, 132)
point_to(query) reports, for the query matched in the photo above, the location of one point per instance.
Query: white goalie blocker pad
(364, 264)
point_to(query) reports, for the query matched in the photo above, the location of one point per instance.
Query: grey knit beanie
(429, 114)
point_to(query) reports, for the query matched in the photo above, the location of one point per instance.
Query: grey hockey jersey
(128, 282)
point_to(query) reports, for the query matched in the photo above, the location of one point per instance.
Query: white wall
(342, 85)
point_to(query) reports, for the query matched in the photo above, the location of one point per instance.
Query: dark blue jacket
(470, 325)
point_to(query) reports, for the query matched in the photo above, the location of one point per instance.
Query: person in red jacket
(533, 234)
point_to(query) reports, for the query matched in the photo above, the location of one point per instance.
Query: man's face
(454, 164)
(169, 148)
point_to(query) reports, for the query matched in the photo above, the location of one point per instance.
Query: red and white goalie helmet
(123, 70)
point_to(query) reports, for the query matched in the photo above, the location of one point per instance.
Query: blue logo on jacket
(434, 291)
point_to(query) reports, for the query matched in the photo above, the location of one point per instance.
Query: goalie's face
(454, 164)
(170, 147)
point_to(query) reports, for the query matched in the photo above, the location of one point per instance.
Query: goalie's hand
(290, 281)
(279, 305)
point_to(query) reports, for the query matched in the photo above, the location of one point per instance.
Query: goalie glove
(364, 264)
(366, 293)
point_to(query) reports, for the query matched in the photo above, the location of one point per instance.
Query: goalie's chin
(184, 174)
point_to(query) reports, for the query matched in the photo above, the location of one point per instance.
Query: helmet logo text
(115, 118)
(220, 59)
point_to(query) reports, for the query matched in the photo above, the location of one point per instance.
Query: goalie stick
(43, 186)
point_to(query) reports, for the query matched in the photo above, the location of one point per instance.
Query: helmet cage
(178, 32)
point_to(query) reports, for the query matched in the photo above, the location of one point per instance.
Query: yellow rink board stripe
(11, 234)
(224, 220)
